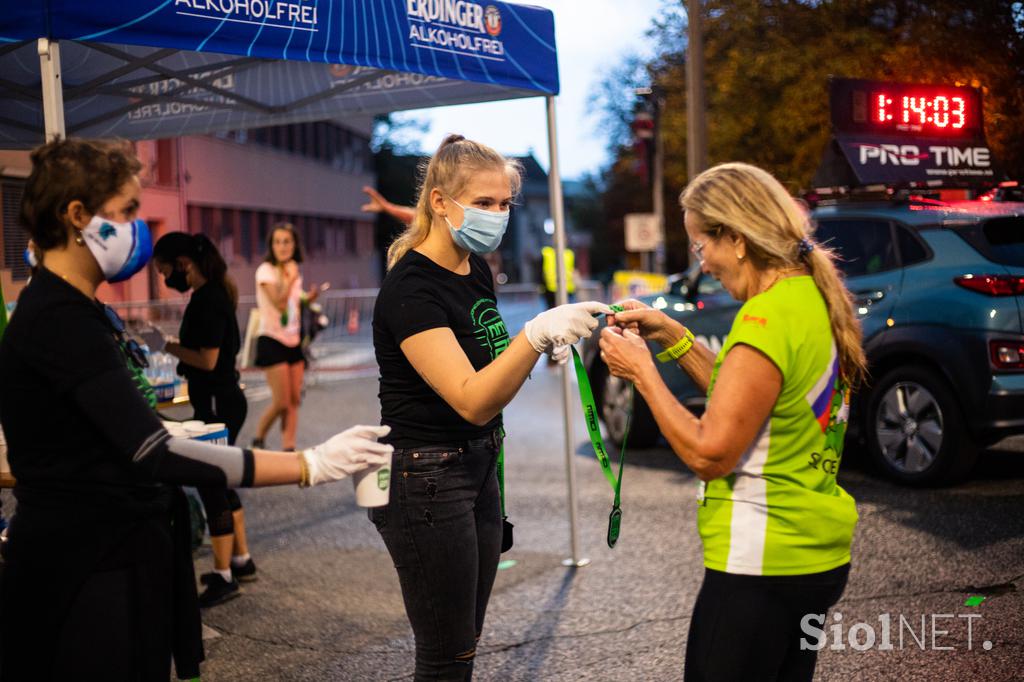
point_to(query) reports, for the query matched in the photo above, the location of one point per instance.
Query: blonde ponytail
(846, 329)
(449, 170)
(748, 201)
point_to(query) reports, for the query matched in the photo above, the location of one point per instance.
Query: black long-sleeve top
(93, 464)
(73, 418)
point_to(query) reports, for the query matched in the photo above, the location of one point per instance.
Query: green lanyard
(590, 412)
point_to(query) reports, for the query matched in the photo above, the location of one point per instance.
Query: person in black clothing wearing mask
(209, 342)
(98, 580)
(447, 369)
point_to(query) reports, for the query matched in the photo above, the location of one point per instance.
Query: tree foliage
(767, 64)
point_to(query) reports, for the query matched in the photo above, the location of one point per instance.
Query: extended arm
(654, 325)
(478, 396)
(138, 436)
(204, 358)
(747, 387)
(378, 204)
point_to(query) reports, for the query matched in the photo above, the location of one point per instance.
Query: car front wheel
(915, 429)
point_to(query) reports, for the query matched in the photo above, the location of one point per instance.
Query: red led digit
(941, 107)
(960, 112)
(881, 108)
(918, 105)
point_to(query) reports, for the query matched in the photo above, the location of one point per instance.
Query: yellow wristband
(678, 350)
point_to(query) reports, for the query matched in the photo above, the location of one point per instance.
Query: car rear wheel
(613, 405)
(915, 429)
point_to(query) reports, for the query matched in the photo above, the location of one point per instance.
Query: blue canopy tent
(141, 69)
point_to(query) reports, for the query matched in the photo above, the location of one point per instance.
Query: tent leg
(558, 215)
(53, 91)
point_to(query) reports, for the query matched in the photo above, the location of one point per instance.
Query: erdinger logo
(492, 20)
(456, 26)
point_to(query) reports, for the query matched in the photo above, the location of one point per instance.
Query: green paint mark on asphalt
(507, 563)
(974, 601)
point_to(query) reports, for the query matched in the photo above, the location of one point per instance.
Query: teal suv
(938, 289)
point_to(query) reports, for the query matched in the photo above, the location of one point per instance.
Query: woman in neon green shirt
(775, 525)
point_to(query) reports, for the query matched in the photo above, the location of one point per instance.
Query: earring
(78, 239)
(739, 256)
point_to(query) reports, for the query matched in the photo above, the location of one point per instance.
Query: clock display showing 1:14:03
(941, 112)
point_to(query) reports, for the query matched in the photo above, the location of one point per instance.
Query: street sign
(643, 233)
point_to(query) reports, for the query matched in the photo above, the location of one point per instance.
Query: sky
(592, 36)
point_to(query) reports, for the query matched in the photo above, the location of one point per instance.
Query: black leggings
(747, 627)
(225, 404)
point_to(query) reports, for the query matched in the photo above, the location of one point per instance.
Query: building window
(245, 234)
(15, 238)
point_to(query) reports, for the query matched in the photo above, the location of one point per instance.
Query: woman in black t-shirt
(98, 580)
(209, 341)
(448, 368)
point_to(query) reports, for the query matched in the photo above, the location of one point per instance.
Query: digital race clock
(905, 109)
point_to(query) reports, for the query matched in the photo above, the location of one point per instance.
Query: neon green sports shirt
(780, 511)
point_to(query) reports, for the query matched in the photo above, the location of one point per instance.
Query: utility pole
(696, 123)
(658, 101)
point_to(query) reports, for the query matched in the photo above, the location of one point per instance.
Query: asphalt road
(327, 604)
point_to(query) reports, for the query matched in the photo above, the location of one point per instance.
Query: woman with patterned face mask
(448, 368)
(98, 580)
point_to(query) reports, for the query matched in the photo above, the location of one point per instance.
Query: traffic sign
(643, 232)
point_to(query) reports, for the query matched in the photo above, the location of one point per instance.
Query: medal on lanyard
(594, 431)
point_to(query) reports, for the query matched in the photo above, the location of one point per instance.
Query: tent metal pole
(558, 215)
(53, 90)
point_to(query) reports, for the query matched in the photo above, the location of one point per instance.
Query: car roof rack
(881, 193)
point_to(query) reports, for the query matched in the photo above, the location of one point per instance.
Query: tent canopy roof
(162, 68)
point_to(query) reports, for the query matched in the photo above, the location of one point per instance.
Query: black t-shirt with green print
(417, 295)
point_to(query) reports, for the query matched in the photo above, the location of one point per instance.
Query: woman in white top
(279, 296)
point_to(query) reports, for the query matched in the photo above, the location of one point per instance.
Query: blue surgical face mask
(481, 231)
(120, 249)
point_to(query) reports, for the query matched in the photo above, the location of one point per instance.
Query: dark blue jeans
(442, 527)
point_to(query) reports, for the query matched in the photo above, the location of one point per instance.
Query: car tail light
(1007, 354)
(992, 285)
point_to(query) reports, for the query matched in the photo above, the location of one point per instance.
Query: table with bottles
(162, 374)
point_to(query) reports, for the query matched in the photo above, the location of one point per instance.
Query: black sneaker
(245, 573)
(217, 590)
(257, 444)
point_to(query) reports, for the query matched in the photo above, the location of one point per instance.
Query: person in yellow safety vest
(551, 274)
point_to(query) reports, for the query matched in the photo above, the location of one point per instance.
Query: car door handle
(866, 298)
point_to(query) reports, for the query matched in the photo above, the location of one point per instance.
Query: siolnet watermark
(894, 632)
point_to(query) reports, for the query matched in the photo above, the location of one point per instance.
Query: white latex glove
(346, 453)
(560, 354)
(564, 325)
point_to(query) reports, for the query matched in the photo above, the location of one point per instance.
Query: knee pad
(221, 523)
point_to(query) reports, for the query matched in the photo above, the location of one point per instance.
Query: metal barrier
(347, 341)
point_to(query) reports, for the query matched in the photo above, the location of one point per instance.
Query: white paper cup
(176, 430)
(194, 427)
(373, 485)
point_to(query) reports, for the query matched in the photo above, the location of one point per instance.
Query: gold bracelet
(303, 470)
(677, 350)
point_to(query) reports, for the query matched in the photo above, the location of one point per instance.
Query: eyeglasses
(697, 248)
